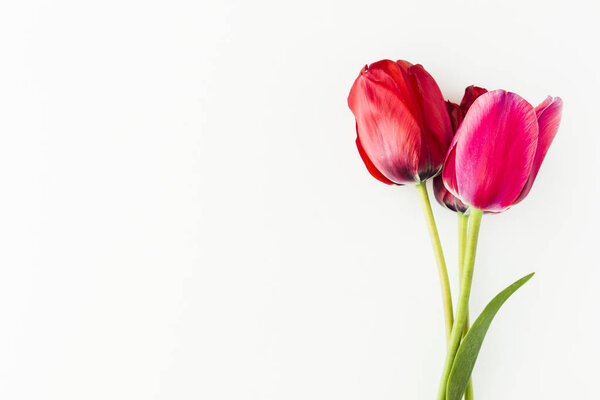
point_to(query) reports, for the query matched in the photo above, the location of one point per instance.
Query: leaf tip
(528, 277)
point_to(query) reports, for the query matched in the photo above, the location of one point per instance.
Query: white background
(184, 215)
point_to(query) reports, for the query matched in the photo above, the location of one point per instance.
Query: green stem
(463, 298)
(463, 220)
(439, 256)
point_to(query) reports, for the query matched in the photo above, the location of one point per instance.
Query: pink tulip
(403, 128)
(456, 112)
(499, 148)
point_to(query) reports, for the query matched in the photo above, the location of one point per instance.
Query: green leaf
(467, 353)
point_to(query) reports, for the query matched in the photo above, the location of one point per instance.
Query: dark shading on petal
(455, 113)
(437, 130)
(471, 94)
(445, 198)
(370, 167)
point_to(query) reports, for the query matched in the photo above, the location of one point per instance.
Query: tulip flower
(491, 147)
(403, 127)
(499, 148)
(456, 113)
(403, 134)
(491, 165)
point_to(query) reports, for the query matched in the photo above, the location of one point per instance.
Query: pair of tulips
(491, 146)
(483, 156)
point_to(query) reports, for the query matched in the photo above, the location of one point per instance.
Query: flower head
(499, 148)
(403, 127)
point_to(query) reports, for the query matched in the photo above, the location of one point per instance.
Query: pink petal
(445, 198)
(388, 133)
(548, 114)
(449, 170)
(495, 149)
(544, 104)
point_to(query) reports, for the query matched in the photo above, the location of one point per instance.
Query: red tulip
(403, 128)
(498, 149)
(456, 113)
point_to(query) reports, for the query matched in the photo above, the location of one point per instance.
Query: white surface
(184, 215)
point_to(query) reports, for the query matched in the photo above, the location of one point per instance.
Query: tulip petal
(449, 170)
(445, 198)
(471, 94)
(398, 71)
(388, 133)
(495, 149)
(437, 132)
(548, 114)
(455, 113)
(370, 167)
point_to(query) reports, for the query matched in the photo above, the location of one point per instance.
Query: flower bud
(499, 148)
(403, 127)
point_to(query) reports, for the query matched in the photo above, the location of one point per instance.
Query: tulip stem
(463, 221)
(463, 298)
(439, 256)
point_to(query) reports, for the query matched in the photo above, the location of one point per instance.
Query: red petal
(471, 94)
(548, 114)
(455, 113)
(495, 149)
(388, 133)
(370, 167)
(404, 64)
(437, 128)
(398, 71)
